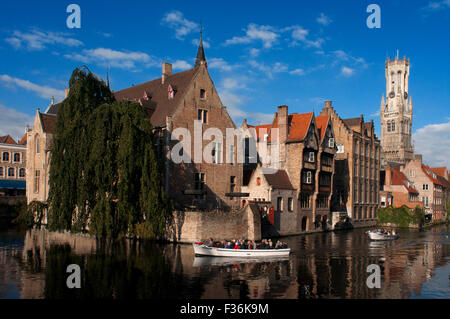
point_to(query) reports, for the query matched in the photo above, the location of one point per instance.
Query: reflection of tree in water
(110, 273)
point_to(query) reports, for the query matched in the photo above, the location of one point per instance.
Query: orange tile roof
(439, 170)
(260, 129)
(398, 178)
(322, 123)
(7, 140)
(298, 126)
(427, 170)
(23, 140)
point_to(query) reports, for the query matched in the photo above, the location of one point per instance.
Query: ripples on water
(324, 265)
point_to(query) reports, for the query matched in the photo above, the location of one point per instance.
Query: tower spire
(200, 59)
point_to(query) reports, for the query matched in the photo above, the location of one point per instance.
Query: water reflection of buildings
(325, 265)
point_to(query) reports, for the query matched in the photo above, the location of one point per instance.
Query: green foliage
(32, 214)
(103, 164)
(401, 216)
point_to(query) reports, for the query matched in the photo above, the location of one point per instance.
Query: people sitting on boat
(210, 242)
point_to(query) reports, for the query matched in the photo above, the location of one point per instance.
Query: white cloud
(264, 33)
(375, 114)
(176, 21)
(45, 92)
(113, 58)
(437, 5)
(323, 19)
(269, 70)
(298, 71)
(254, 52)
(346, 71)
(206, 44)
(232, 93)
(181, 65)
(433, 142)
(299, 33)
(219, 63)
(38, 40)
(13, 122)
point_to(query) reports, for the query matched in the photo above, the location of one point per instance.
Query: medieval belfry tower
(396, 113)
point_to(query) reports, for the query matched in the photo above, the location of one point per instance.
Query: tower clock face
(406, 95)
(392, 95)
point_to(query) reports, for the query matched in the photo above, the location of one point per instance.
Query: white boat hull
(203, 250)
(377, 236)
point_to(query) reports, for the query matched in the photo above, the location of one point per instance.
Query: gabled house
(305, 156)
(403, 191)
(357, 168)
(12, 166)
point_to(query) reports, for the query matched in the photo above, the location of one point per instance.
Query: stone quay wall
(192, 226)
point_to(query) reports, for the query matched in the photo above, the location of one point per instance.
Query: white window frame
(331, 142)
(311, 157)
(308, 177)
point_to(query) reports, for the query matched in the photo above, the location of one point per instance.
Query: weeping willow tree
(103, 174)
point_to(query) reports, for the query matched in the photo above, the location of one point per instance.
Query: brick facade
(12, 164)
(357, 168)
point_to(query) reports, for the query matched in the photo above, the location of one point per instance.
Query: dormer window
(170, 92)
(202, 94)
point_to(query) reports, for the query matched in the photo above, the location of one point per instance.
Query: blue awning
(9, 184)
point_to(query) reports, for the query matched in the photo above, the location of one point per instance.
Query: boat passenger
(210, 242)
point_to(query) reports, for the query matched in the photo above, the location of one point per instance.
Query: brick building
(306, 150)
(12, 166)
(186, 100)
(433, 188)
(402, 191)
(357, 168)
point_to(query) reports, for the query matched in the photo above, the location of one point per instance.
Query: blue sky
(260, 54)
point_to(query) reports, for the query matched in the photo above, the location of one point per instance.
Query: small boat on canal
(201, 249)
(382, 235)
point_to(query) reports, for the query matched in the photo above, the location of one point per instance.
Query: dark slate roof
(279, 180)
(353, 121)
(54, 108)
(12, 184)
(48, 122)
(158, 104)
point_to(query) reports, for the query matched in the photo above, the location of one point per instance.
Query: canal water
(33, 264)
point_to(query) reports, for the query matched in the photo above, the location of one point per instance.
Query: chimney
(328, 104)
(283, 123)
(388, 177)
(166, 71)
(66, 93)
(418, 157)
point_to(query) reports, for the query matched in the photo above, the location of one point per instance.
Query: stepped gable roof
(23, 140)
(279, 180)
(398, 178)
(160, 105)
(322, 123)
(48, 122)
(7, 139)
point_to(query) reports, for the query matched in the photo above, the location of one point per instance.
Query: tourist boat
(201, 249)
(375, 235)
(207, 261)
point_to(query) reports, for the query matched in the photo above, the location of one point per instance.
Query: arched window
(1, 171)
(388, 126)
(36, 181)
(5, 157)
(16, 157)
(37, 140)
(11, 172)
(22, 172)
(393, 126)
